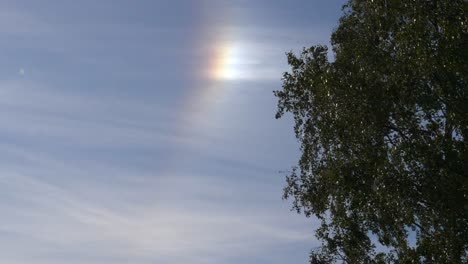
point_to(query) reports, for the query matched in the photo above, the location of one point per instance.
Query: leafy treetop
(383, 132)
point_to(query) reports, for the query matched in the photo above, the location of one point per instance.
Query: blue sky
(144, 131)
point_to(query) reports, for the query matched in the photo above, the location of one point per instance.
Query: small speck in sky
(21, 71)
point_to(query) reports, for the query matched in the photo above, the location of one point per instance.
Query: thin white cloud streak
(33, 111)
(20, 23)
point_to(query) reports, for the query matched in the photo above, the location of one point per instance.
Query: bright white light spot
(233, 63)
(242, 61)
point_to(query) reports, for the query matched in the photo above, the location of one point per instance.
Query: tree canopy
(382, 128)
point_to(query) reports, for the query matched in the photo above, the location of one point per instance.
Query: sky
(144, 132)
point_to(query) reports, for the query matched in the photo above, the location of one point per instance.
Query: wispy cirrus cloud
(60, 202)
(177, 222)
(32, 110)
(102, 161)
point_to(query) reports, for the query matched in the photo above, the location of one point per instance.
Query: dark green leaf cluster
(383, 132)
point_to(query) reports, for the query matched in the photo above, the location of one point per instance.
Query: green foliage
(383, 132)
